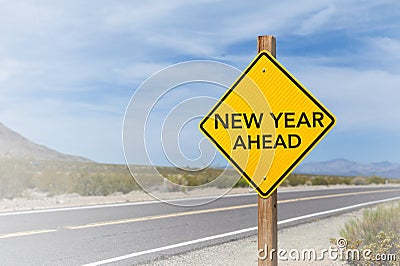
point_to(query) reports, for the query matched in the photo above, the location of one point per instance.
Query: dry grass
(86, 179)
(94, 179)
(377, 230)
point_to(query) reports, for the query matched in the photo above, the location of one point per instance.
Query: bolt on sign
(266, 123)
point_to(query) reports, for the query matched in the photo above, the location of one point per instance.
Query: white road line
(311, 189)
(110, 205)
(194, 212)
(337, 210)
(191, 242)
(187, 243)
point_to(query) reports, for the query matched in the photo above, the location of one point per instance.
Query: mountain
(350, 168)
(15, 146)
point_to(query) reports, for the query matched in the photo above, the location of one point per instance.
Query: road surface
(131, 233)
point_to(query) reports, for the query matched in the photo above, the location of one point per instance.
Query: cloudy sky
(69, 68)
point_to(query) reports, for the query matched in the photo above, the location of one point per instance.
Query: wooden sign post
(267, 207)
(265, 125)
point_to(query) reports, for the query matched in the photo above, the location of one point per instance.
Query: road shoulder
(314, 235)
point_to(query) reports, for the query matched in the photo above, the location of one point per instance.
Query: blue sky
(69, 68)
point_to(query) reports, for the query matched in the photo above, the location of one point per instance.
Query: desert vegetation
(377, 230)
(326, 180)
(95, 179)
(84, 178)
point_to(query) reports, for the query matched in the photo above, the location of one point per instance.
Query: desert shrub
(347, 180)
(101, 185)
(88, 179)
(296, 180)
(12, 187)
(53, 178)
(334, 180)
(13, 179)
(190, 177)
(319, 181)
(376, 180)
(377, 230)
(359, 181)
(372, 222)
(242, 183)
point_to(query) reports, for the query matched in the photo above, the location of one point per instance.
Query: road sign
(266, 123)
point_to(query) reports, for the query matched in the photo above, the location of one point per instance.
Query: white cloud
(384, 51)
(317, 21)
(66, 65)
(361, 99)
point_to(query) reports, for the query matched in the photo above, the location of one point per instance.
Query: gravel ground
(315, 235)
(36, 200)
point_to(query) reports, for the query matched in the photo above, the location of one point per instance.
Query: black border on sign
(301, 157)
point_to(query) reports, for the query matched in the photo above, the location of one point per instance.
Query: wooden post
(267, 208)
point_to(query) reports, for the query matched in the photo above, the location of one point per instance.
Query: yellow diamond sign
(266, 123)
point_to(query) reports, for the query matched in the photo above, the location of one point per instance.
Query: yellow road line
(154, 217)
(171, 215)
(162, 216)
(337, 195)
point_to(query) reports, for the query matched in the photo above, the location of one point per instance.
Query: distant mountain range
(350, 168)
(15, 146)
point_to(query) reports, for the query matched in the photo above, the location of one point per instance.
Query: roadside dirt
(35, 200)
(315, 235)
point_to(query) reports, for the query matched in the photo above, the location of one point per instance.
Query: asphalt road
(127, 234)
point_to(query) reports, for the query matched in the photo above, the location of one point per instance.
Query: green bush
(347, 180)
(377, 230)
(334, 180)
(242, 183)
(296, 180)
(359, 181)
(55, 178)
(376, 180)
(94, 179)
(319, 181)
